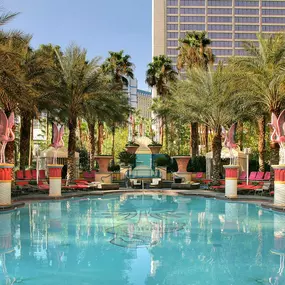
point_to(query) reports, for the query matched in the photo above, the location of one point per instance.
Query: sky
(97, 25)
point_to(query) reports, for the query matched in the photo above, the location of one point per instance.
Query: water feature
(143, 239)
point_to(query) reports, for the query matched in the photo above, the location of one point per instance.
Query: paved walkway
(261, 200)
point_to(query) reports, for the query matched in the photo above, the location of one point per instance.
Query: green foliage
(84, 163)
(127, 158)
(197, 164)
(114, 168)
(162, 160)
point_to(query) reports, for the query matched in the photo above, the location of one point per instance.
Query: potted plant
(155, 147)
(131, 147)
(103, 162)
(182, 162)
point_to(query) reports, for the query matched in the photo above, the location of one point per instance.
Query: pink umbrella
(6, 132)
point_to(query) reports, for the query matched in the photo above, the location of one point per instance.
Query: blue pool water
(137, 240)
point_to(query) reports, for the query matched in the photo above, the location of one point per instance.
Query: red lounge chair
(266, 176)
(242, 175)
(43, 185)
(28, 174)
(42, 174)
(20, 174)
(252, 175)
(34, 174)
(259, 175)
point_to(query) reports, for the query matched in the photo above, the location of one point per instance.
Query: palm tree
(209, 97)
(160, 74)
(194, 52)
(77, 81)
(264, 65)
(119, 67)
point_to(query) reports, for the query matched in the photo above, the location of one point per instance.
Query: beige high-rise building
(144, 103)
(227, 22)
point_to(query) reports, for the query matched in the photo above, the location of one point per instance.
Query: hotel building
(144, 103)
(227, 22)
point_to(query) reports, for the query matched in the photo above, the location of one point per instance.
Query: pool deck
(266, 202)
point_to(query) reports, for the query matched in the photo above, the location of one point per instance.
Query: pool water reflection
(142, 239)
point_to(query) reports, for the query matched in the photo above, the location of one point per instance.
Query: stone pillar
(279, 184)
(5, 183)
(182, 162)
(54, 179)
(103, 176)
(231, 180)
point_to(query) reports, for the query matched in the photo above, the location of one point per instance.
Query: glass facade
(227, 22)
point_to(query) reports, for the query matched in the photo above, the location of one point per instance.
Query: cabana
(240, 159)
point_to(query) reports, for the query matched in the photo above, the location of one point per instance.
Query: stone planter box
(155, 149)
(132, 148)
(182, 162)
(103, 161)
(109, 186)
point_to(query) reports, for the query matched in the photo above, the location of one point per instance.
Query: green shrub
(84, 163)
(197, 164)
(114, 167)
(127, 158)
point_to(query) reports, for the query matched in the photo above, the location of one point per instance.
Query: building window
(247, 28)
(194, 11)
(172, 35)
(273, 3)
(272, 12)
(241, 44)
(273, 28)
(222, 51)
(172, 43)
(221, 44)
(219, 19)
(247, 19)
(172, 27)
(252, 3)
(172, 52)
(172, 19)
(213, 27)
(240, 52)
(172, 10)
(276, 20)
(221, 11)
(220, 35)
(172, 2)
(192, 2)
(245, 36)
(220, 3)
(247, 11)
(192, 19)
(185, 27)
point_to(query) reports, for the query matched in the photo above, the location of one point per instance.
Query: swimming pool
(142, 239)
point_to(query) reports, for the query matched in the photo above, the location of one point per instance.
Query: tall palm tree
(209, 97)
(77, 82)
(265, 65)
(119, 67)
(194, 51)
(160, 74)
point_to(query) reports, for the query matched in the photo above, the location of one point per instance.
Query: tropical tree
(264, 65)
(194, 51)
(120, 69)
(209, 97)
(77, 81)
(160, 74)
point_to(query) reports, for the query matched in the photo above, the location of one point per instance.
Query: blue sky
(97, 25)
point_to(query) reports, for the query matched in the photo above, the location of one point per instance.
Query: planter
(155, 149)
(131, 148)
(5, 183)
(182, 162)
(103, 161)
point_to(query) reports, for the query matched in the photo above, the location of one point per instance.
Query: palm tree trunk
(25, 137)
(91, 127)
(194, 139)
(217, 148)
(113, 142)
(100, 137)
(261, 142)
(81, 139)
(166, 135)
(206, 139)
(240, 134)
(71, 149)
